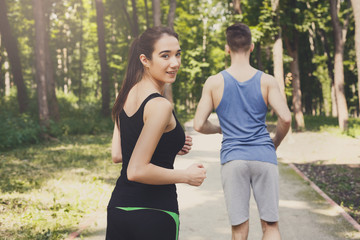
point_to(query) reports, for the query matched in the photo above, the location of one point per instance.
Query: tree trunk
(338, 66)
(105, 97)
(171, 15)
(10, 44)
(2, 75)
(168, 93)
(258, 56)
(278, 64)
(294, 67)
(65, 70)
(135, 27)
(356, 10)
(124, 8)
(237, 7)
(7, 78)
(147, 14)
(81, 64)
(334, 106)
(331, 100)
(156, 12)
(50, 79)
(41, 62)
(278, 50)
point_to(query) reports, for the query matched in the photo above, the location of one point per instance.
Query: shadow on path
(304, 214)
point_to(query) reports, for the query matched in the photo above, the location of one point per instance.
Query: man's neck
(240, 60)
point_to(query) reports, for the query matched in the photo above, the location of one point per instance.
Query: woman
(144, 204)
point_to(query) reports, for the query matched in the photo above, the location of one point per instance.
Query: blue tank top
(242, 114)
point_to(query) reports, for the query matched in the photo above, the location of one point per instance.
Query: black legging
(140, 224)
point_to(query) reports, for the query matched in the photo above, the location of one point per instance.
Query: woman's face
(166, 59)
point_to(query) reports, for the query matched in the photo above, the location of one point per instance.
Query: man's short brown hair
(238, 37)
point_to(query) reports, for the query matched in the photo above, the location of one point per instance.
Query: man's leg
(240, 232)
(236, 185)
(266, 192)
(270, 230)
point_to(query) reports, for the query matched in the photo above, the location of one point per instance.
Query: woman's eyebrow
(168, 51)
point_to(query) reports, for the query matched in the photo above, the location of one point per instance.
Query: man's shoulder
(268, 79)
(214, 79)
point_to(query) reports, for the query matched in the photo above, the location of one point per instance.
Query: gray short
(237, 177)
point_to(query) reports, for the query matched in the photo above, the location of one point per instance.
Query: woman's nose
(175, 62)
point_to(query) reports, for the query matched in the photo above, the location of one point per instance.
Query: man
(240, 95)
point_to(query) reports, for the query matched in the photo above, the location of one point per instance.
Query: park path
(304, 214)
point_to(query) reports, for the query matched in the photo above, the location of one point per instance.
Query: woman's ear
(144, 60)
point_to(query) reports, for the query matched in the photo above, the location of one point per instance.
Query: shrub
(19, 129)
(16, 130)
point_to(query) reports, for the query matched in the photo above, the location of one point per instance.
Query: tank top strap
(148, 98)
(258, 75)
(225, 75)
(228, 82)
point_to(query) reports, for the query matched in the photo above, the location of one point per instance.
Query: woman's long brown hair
(135, 70)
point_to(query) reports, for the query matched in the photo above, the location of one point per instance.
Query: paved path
(304, 215)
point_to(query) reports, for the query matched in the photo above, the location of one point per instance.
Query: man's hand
(187, 146)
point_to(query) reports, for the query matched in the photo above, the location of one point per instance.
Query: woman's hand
(196, 174)
(187, 146)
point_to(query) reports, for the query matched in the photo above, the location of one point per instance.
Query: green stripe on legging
(175, 216)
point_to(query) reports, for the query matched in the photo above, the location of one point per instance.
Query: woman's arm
(116, 146)
(157, 116)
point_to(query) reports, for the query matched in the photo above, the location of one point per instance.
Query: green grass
(325, 124)
(46, 189)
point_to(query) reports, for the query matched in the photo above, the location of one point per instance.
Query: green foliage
(16, 130)
(201, 26)
(322, 74)
(22, 129)
(330, 124)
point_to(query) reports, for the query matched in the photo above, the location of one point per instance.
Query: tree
(339, 39)
(278, 49)
(292, 48)
(291, 41)
(316, 24)
(105, 91)
(135, 26)
(237, 7)
(330, 71)
(146, 14)
(156, 12)
(41, 63)
(356, 10)
(171, 15)
(10, 44)
(50, 78)
(168, 93)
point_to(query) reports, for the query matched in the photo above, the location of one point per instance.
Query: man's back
(242, 114)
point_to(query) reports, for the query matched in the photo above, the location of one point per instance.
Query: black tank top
(133, 194)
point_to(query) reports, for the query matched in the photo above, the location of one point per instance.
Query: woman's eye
(178, 54)
(165, 56)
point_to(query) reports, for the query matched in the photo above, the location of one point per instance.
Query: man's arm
(278, 103)
(204, 109)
